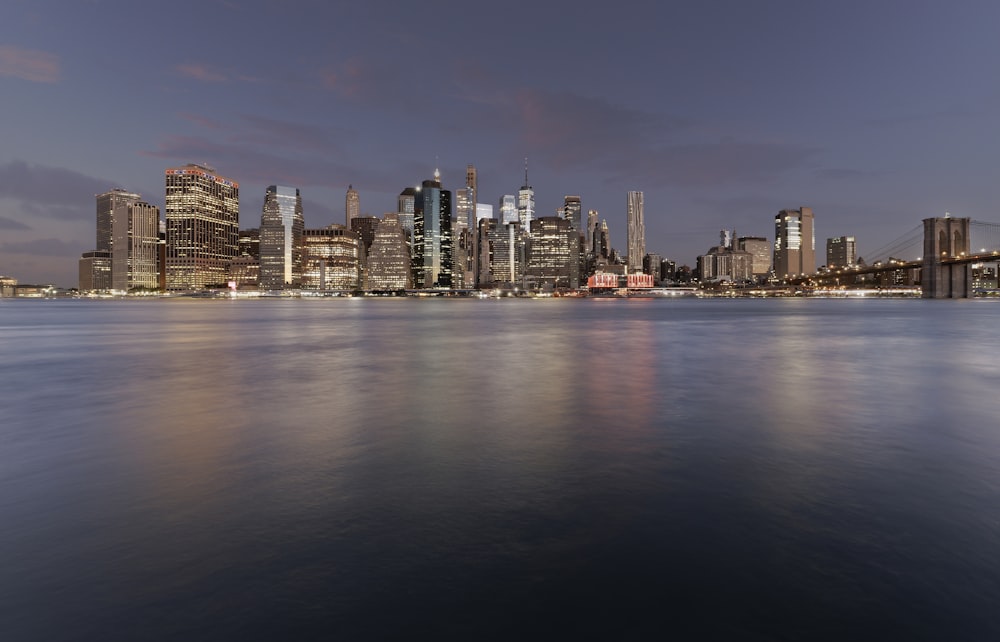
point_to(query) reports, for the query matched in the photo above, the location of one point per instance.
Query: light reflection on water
(754, 469)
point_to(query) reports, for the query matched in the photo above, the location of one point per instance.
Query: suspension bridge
(946, 248)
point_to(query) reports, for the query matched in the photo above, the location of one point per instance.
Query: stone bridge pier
(945, 238)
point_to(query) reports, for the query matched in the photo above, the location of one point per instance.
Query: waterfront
(518, 469)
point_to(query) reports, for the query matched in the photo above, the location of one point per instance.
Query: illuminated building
(472, 184)
(636, 231)
(352, 205)
(552, 253)
(364, 227)
(332, 259)
(483, 210)
(501, 254)
(508, 208)
(602, 242)
(525, 202)
(388, 265)
(202, 215)
(465, 208)
(651, 264)
(794, 243)
(135, 247)
(281, 227)
(723, 263)
(95, 271)
(760, 249)
(404, 209)
(432, 237)
(841, 252)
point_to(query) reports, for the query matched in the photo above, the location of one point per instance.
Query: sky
(876, 114)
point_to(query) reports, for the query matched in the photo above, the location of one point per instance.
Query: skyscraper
(508, 208)
(404, 207)
(636, 231)
(760, 248)
(389, 256)
(135, 249)
(591, 224)
(794, 243)
(432, 238)
(472, 184)
(332, 259)
(526, 202)
(106, 204)
(572, 211)
(352, 205)
(281, 227)
(552, 254)
(202, 216)
(841, 252)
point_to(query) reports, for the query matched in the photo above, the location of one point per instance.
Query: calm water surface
(547, 469)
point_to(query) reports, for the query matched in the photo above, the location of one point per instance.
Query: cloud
(201, 72)
(42, 247)
(11, 224)
(40, 185)
(28, 64)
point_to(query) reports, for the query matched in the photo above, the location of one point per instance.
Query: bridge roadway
(892, 266)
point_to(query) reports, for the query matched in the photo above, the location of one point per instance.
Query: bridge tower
(945, 238)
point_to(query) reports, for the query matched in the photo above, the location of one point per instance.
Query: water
(460, 469)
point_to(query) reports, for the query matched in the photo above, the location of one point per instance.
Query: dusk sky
(875, 114)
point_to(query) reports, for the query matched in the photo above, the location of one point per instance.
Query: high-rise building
(135, 248)
(465, 208)
(332, 259)
(760, 249)
(281, 227)
(636, 231)
(501, 254)
(249, 242)
(389, 257)
(841, 252)
(602, 242)
(592, 217)
(95, 271)
(723, 263)
(352, 205)
(472, 184)
(106, 204)
(483, 210)
(794, 243)
(552, 253)
(404, 208)
(202, 216)
(432, 237)
(572, 211)
(526, 202)
(508, 209)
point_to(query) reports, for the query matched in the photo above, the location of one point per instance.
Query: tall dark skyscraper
(472, 184)
(281, 227)
(202, 216)
(572, 211)
(794, 243)
(432, 237)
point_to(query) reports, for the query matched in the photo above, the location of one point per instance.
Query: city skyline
(874, 116)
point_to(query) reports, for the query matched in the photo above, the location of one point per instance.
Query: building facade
(202, 226)
(281, 227)
(636, 231)
(95, 271)
(841, 252)
(432, 237)
(135, 248)
(572, 211)
(331, 259)
(106, 204)
(553, 255)
(388, 266)
(760, 249)
(794, 243)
